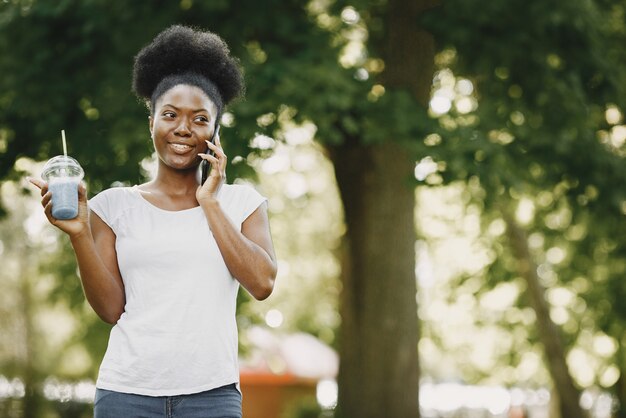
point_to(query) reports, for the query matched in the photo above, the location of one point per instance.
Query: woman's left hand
(217, 175)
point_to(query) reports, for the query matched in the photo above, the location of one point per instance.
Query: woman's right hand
(73, 227)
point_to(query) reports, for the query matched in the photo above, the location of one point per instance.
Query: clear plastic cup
(63, 175)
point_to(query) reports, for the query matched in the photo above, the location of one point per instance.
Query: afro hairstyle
(184, 55)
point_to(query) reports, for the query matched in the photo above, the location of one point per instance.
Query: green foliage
(546, 77)
(543, 76)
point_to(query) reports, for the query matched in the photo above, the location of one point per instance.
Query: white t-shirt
(178, 333)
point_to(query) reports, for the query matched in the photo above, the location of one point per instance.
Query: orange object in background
(269, 395)
(280, 373)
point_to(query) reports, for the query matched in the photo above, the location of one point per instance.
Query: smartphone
(205, 165)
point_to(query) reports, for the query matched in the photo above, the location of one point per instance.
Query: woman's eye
(169, 114)
(201, 119)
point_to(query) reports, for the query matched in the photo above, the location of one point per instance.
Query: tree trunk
(379, 372)
(569, 395)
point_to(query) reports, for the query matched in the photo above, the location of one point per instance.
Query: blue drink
(64, 197)
(63, 175)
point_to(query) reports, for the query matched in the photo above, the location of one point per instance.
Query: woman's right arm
(99, 271)
(94, 244)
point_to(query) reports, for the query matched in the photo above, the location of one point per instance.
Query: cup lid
(62, 166)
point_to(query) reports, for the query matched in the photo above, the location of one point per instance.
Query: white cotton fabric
(178, 333)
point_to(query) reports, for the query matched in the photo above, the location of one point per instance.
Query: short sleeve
(253, 200)
(240, 201)
(100, 204)
(108, 205)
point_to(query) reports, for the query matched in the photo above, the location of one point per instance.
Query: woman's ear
(151, 124)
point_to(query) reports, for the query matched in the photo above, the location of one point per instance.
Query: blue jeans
(223, 402)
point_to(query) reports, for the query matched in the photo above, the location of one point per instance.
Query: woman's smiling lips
(180, 148)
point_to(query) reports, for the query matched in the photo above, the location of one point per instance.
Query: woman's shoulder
(112, 199)
(117, 192)
(234, 188)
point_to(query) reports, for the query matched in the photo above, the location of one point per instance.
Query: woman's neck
(175, 182)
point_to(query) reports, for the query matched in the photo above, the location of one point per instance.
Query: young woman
(163, 260)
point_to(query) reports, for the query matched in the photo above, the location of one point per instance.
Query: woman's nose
(182, 129)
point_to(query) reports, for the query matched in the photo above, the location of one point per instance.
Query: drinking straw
(64, 143)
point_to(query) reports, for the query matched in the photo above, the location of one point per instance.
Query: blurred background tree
(523, 120)
(529, 108)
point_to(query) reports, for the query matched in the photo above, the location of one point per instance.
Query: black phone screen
(205, 165)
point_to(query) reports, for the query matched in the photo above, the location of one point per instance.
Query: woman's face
(183, 119)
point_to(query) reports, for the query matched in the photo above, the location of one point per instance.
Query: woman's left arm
(249, 253)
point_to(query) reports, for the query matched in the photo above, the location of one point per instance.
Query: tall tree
(379, 309)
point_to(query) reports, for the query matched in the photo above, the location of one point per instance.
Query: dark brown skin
(181, 126)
